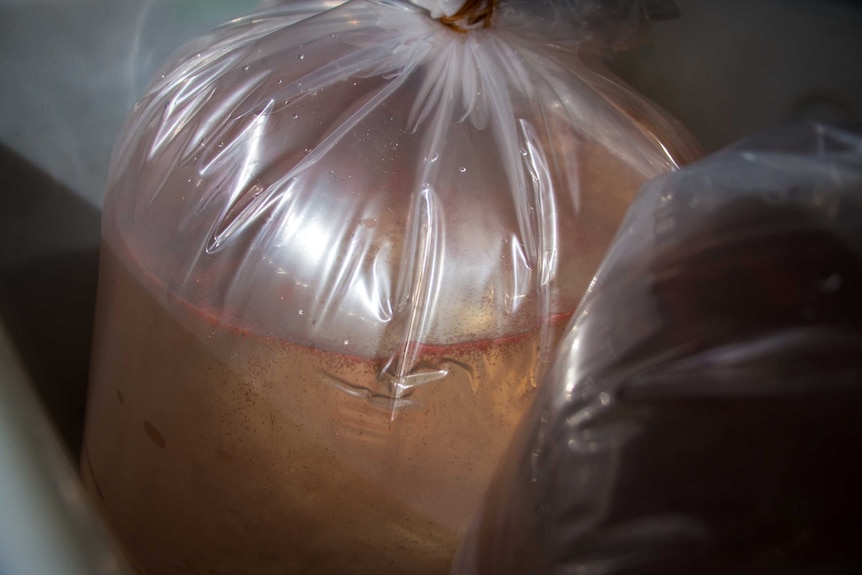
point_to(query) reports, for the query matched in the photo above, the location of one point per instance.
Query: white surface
(730, 68)
(47, 526)
(72, 70)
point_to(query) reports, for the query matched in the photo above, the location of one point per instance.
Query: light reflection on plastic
(314, 240)
(251, 155)
(570, 381)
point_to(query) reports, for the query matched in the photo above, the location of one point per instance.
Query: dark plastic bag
(704, 412)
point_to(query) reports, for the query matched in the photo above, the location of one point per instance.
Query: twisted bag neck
(473, 14)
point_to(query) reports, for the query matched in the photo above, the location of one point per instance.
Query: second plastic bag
(702, 412)
(337, 248)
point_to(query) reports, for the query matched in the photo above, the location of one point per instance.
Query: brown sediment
(276, 463)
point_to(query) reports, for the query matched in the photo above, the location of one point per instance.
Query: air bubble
(301, 57)
(221, 144)
(295, 116)
(245, 68)
(462, 169)
(346, 342)
(524, 151)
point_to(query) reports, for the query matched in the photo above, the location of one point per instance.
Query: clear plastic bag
(338, 246)
(702, 413)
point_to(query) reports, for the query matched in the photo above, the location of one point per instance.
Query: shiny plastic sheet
(338, 246)
(702, 414)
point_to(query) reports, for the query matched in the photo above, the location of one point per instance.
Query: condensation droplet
(295, 116)
(523, 151)
(280, 82)
(300, 57)
(221, 144)
(301, 312)
(245, 68)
